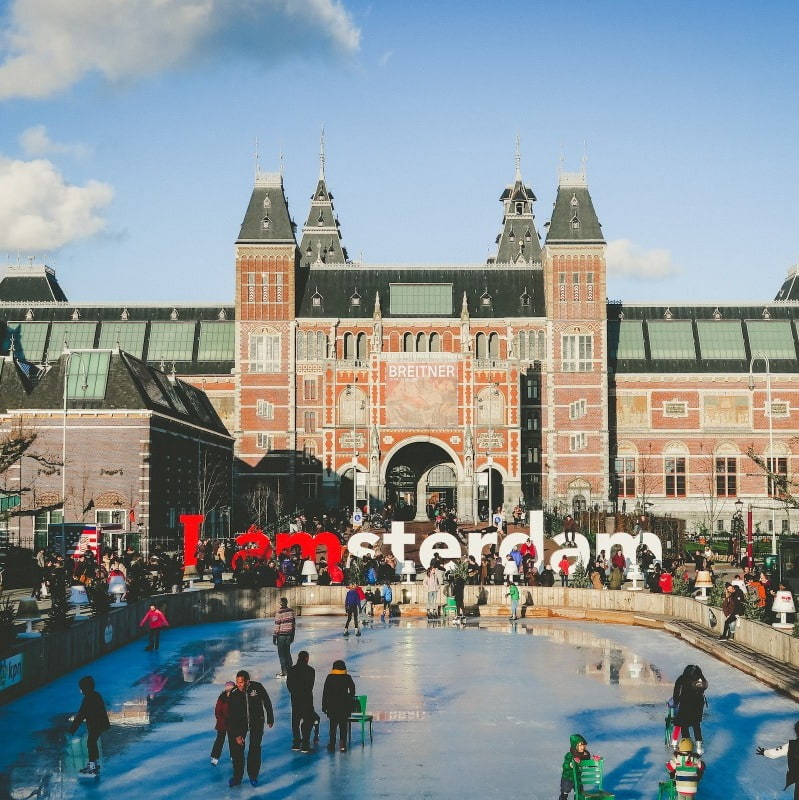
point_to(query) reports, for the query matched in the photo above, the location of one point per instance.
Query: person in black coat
(689, 700)
(92, 711)
(338, 702)
(790, 749)
(300, 682)
(246, 709)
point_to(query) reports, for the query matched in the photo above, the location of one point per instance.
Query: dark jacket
(300, 681)
(221, 711)
(792, 775)
(246, 710)
(92, 711)
(338, 696)
(689, 696)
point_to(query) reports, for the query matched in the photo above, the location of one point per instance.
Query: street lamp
(738, 525)
(354, 393)
(68, 355)
(489, 458)
(771, 462)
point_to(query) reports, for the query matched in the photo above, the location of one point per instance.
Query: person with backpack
(686, 769)
(386, 597)
(689, 700)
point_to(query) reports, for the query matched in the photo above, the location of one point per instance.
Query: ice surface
(480, 712)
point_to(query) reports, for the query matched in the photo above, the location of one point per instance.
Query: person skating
(283, 636)
(513, 594)
(338, 698)
(578, 752)
(352, 605)
(685, 769)
(689, 700)
(791, 750)
(221, 714)
(92, 711)
(300, 682)
(246, 710)
(154, 620)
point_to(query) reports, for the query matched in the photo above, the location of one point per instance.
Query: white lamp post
(771, 461)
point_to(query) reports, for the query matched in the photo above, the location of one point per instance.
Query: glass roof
(671, 339)
(29, 339)
(87, 375)
(721, 339)
(129, 336)
(434, 299)
(631, 339)
(773, 338)
(171, 341)
(76, 335)
(217, 341)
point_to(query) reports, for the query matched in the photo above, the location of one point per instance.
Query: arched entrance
(346, 487)
(490, 492)
(418, 477)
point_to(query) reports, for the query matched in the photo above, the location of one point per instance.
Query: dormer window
(265, 223)
(316, 299)
(525, 299)
(511, 235)
(355, 299)
(717, 314)
(667, 314)
(519, 209)
(76, 314)
(766, 314)
(527, 235)
(320, 220)
(124, 314)
(573, 202)
(174, 314)
(575, 223)
(309, 250)
(29, 315)
(267, 203)
(485, 299)
(222, 315)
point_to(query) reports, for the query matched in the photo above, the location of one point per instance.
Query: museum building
(469, 385)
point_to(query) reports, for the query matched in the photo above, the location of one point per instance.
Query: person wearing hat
(685, 768)
(283, 636)
(578, 751)
(220, 712)
(790, 749)
(338, 700)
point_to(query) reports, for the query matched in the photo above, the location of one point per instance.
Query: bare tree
(781, 487)
(212, 483)
(258, 504)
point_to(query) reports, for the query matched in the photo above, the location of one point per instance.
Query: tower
(575, 383)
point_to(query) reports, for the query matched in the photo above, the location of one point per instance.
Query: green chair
(361, 717)
(667, 790)
(449, 609)
(588, 779)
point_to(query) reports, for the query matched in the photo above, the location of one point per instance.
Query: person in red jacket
(154, 620)
(666, 581)
(220, 712)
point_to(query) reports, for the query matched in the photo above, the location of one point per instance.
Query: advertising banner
(421, 395)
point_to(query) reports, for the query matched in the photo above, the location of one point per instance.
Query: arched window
(481, 345)
(321, 345)
(408, 343)
(421, 343)
(349, 347)
(541, 353)
(435, 343)
(675, 470)
(493, 345)
(362, 347)
(300, 346)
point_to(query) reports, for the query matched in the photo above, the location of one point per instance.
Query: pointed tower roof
(30, 283)
(321, 239)
(267, 218)
(518, 242)
(573, 216)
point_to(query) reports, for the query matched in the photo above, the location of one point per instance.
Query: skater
(221, 714)
(283, 636)
(154, 620)
(300, 683)
(352, 604)
(578, 751)
(338, 701)
(689, 700)
(246, 709)
(92, 711)
(386, 597)
(685, 769)
(513, 593)
(432, 584)
(790, 749)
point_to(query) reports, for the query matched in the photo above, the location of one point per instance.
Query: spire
(322, 155)
(573, 216)
(518, 242)
(378, 313)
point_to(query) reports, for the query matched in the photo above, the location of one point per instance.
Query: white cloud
(36, 141)
(627, 260)
(39, 210)
(49, 45)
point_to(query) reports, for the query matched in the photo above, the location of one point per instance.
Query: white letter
(477, 541)
(362, 544)
(451, 548)
(397, 539)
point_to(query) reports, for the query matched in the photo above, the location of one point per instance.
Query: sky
(129, 131)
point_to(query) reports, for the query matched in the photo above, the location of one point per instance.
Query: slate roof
(130, 384)
(267, 218)
(502, 288)
(35, 283)
(790, 287)
(518, 242)
(321, 239)
(573, 217)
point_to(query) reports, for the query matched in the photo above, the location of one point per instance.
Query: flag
(79, 540)
(132, 515)
(89, 507)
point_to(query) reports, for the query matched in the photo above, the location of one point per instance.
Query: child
(92, 711)
(578, 751)
(220, 712)
(386, 597)
(513, 593)
(154, 619)
(685, 768)
(791, 749)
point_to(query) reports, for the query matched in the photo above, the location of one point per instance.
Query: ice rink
(479, 712)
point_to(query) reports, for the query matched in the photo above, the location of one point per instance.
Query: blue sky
(129, 126)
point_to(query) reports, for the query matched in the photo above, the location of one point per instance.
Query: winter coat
(300, 682)
(338, 695)
(154, 619)
(92, 711)
(246, 710)
(689, 696)
(221, 710)
(285, 622)
(573, 756)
